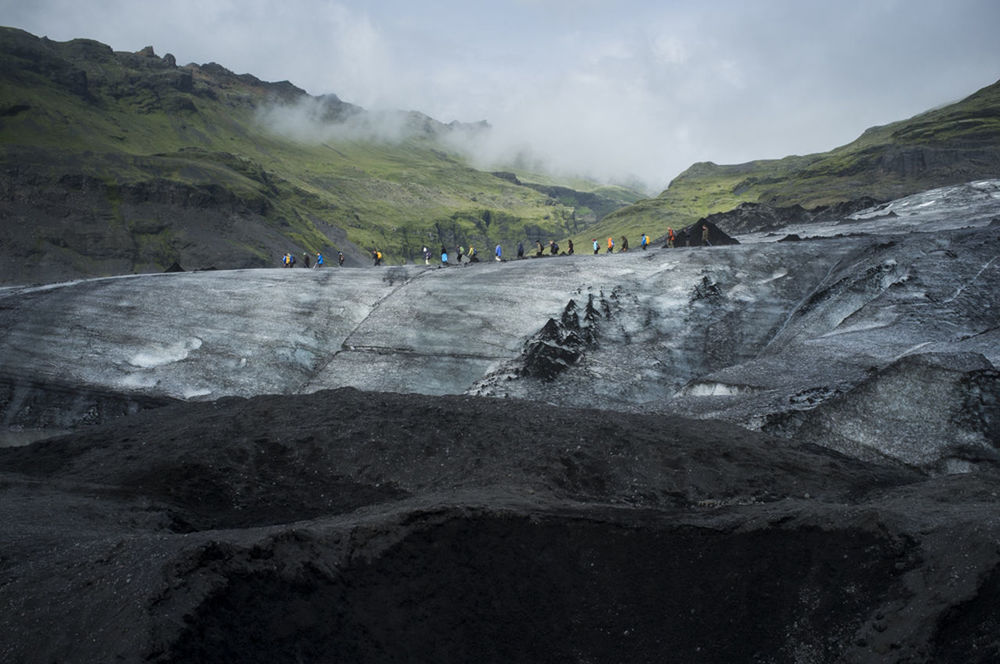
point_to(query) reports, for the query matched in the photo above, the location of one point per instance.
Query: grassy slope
(139, 120)
(956, 143)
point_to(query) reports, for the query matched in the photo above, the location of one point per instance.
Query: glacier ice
(732, 332)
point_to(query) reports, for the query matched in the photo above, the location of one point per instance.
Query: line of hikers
(471, 255)
(288, 260)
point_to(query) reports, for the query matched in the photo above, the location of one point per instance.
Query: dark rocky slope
(351, 526)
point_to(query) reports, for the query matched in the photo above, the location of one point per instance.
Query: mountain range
(118, 162)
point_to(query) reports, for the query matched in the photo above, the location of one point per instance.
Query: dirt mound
(691, 236)
(352, 526)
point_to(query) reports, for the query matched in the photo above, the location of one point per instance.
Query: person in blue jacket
(319, 259)
(499, 253)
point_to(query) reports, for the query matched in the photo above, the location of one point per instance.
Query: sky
(620, 90)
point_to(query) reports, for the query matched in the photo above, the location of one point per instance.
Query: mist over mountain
(777, 440)
(127, 162)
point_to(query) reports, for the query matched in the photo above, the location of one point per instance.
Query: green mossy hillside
(956, 143)
(234, 170)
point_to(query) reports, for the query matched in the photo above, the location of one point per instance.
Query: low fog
(555, 151)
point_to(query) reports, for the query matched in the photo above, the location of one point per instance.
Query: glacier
(759, 333)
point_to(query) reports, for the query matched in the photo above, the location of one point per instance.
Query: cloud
(327, 118)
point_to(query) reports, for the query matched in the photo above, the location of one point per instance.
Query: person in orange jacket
(611, 244)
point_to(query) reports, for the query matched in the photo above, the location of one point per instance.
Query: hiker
(284, 261)
(520, 250)
(340, 259)
(643, 241)
(704, 236)
(611, 244)
(538, 245)
(305, 261)
(570, 252)
(427, 256)
(553, 247)
(499, 253)
(670, 238)
(319, 259)
(461, 250)
(473, 255)
(597, 247)
(624, 243)
(291, 259)
(444, 255)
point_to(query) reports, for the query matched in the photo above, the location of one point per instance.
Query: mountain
(949, 145)
(118, 162)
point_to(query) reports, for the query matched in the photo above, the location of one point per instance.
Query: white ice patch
(192, 393)
(712, 390)
(774, 277)
(864, 326)
(138, 382)
(911, 350)
(165, 354)
(741, 293)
